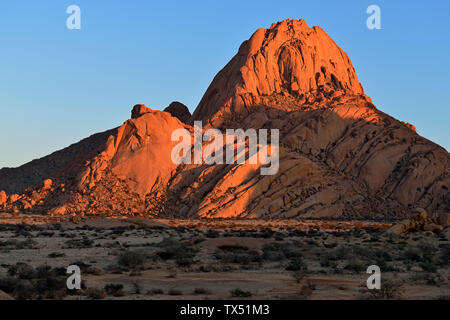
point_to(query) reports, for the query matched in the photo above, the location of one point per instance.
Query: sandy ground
(223, 256)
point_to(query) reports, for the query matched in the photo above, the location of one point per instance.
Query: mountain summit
(289, 58)
(340, 157)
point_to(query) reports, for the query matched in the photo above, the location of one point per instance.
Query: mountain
(340, 156)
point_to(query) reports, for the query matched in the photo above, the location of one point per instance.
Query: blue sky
(58, 86)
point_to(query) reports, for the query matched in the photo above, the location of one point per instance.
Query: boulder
(58, 211)
(26, 205)
(398, 228)
(420, 222)
(13, 198)
(138, 110)
(3, 197)
(433, 227)
(180, 111)
(47, 184)
(421, 214)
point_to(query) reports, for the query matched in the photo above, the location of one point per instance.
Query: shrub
(172, 249)
(444, 256)
(298, 276)
(8, 284)
(306, 290)
(156, 291)
(212, 234)
(23, 291)
(328, 262)
(131, 259)
(22, 271)
(137, 288)
(79, 243)
(428, 267)
(48, 285)
(412, 254)
(201, 291)
(342, 252)
(115, 290)
(174, 292)
(355, 266)
(236, 254)
(94, 293)
(390, 290)
(56, 255)
(44, 271)
(296, 264)
(279, 251)
(240, 293)
(233, 248)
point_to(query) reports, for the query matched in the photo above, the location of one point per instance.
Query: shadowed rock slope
(340, 156)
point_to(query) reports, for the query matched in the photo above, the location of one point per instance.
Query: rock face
(340, 157)
(3, 198)
(139, 152)
(61, 165)
(288, 58)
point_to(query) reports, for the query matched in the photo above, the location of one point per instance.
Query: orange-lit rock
(288, 58)
(3, 197)
(139, 110)
(47, 184)
(139, 152)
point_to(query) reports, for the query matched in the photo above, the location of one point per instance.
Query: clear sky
(58, 86)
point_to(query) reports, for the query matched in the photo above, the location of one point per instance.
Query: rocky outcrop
(296, 79)
(61, 166)
(3, 198)
(47, 184)
(289, 58)
(180, 111)
(340, 156)
(139, 152)
(409, 125)
(139, 110)
(421, 221)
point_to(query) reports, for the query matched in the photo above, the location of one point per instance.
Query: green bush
(240, 293)
(95, 294)
(428, 267)
(131, 259)
(296, 264)
(355, 266)
(115, 290)
(22, 271)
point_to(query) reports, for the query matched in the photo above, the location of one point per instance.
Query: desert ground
(138, 258)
